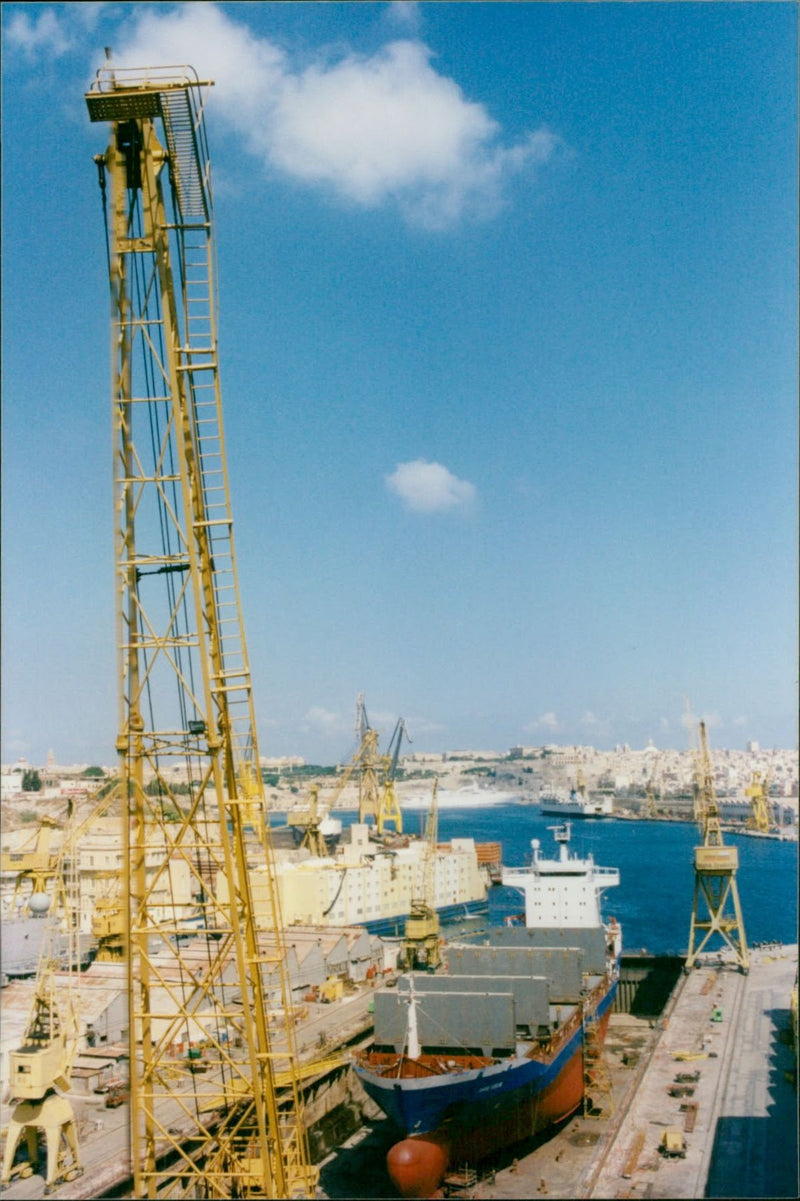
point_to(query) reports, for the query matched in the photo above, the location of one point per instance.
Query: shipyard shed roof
(16, 1003)
(15, 1007)
(113, 1051)
(327, 940)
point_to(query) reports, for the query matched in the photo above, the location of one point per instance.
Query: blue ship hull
(422, 1106)
(396, 925)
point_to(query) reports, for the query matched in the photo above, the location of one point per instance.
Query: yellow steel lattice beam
(195, 971)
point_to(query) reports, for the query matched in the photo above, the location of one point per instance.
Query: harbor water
(655, 858)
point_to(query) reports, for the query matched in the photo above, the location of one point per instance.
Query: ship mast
(185, 699)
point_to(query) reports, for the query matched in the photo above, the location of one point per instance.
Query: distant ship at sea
(575, 803)
(494, 1050)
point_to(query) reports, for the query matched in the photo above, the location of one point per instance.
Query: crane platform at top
(184, 685)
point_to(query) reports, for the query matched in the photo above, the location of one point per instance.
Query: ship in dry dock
(492, 1051)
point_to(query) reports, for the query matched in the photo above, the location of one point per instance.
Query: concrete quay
(741, 1140)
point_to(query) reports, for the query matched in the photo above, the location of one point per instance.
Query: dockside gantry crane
(40, 1068)
(762, 815)
(367, 763)
(185, 696)
(390, 805)
(715, 867)
(374, 772)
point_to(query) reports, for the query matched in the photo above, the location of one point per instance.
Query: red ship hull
(417, 1164)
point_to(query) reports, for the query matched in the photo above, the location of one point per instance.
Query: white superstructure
(564, 891)
(575, 804)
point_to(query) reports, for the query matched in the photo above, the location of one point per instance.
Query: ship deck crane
(184, 686)
(716, 908)
(420, 949)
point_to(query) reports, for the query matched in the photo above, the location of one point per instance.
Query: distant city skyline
(508, 352)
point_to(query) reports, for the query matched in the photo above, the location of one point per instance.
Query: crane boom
(185, 697)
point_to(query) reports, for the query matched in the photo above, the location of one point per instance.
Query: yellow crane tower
(185, 696)
(367, 761)
(374, 771)
(715, 867)
(310, 819)
(762, 815)
(389, 805)
(38, 872)
(648, 809)
(40, 1069)
(420, 947)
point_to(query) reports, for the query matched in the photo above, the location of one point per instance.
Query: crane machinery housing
(420, 949)
(184, 686)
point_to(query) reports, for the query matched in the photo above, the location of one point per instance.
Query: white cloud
(40, 35)
(322, 720)
(427, 487)
(420, 727)
(740, 721)
(406, 14)
(547, 721)
(371, 129)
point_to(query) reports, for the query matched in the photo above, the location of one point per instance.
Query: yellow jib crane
(648, 809)
(715, 867)
(373, 771)
(762, 815)
(38, 872)
(367, 761)
(40, 1069)
(185, 698)
(420, 947)
(390, 805)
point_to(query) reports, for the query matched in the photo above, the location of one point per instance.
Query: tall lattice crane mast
(715, 867)
(185, 699)
(369, 801)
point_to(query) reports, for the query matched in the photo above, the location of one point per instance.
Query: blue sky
(508, 339)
